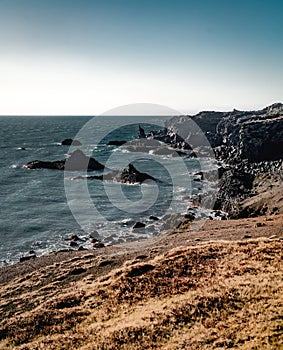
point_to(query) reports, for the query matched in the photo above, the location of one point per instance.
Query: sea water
(35, 212)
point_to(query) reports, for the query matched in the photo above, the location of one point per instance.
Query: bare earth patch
(219, 287)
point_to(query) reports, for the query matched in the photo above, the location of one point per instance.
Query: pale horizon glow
(56, 59)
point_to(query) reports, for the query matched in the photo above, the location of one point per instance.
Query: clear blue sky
(87, 56)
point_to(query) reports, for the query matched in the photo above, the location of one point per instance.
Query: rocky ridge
(250, 148)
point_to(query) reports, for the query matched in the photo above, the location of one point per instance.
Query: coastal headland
(215, 287)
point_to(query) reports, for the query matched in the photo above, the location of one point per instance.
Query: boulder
(138, 225)
(98, 245)
(153, 218)
(27, 257)
(71, 142)
(74, 238)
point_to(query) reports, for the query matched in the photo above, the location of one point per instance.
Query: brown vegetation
(213, 295)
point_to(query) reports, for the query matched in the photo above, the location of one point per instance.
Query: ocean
(40, 209)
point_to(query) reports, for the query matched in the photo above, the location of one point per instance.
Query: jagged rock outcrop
(131, 175)
(255, 136)
(128, 175)
(234, 187)
(141, 133)
(154, 145)
(250, 143)
(236, 135)
(77, 161)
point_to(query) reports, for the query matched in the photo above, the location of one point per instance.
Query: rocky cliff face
(255, 136)
(250, 145)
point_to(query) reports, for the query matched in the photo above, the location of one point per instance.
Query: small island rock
(71, 142)
(77, 161)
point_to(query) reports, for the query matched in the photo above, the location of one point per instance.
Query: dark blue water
(34, 211)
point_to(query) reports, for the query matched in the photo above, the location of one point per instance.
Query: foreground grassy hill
(216, 288)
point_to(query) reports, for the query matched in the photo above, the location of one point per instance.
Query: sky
(84, 57)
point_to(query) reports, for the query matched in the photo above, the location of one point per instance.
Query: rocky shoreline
(249, 147)
(215, 286)
(247, 144)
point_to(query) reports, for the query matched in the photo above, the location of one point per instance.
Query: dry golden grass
(216, 295)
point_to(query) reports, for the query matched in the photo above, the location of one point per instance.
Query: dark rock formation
(141, 133)
(154, 218)
(98, 245)
(255, 136)
(77, 161)
(132, 175)
(39, 164)
(234, 187)
(190, 216)
(74, 238)
(208, 121)
(129, 175)
(237, 135)
(250, 144)
(116, 143)
(27, 257)
(138, 225)
(71, 142)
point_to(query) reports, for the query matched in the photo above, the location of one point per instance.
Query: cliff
(249, 145)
